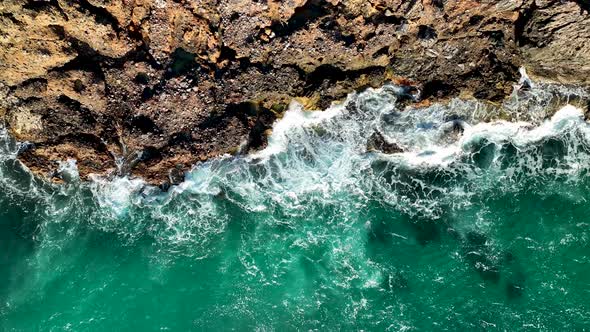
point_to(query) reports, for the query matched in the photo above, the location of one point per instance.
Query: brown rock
(30, 42)
(556, 42)
(163, 83)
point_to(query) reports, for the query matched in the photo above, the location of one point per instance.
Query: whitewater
(479, 222)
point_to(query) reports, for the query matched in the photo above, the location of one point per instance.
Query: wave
(450, 154)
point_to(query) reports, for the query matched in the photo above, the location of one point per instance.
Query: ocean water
(480, 224)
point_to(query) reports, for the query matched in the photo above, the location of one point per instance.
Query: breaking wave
(451, 153)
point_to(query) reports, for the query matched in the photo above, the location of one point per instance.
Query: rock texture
(149, 87)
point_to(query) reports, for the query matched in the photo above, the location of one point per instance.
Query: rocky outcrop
(377, 142)
(149, 87)
(555, 40)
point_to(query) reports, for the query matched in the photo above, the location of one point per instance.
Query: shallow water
(482, 230)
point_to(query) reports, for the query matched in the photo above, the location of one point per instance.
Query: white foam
(433, 156)
(295, 118)
(319, 158)
(524, 133)
(200, 181)
(525, 80)
(68, 170)
(521, 134)
(116, 194)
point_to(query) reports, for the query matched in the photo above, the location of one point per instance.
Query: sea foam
(321, 158)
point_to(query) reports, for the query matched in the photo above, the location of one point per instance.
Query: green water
(318, 234)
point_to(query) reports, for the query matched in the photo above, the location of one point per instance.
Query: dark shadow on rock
(303, 17)
(437, 89)
(142, 124)
(377, 142)
(182, 63)
(426, 32)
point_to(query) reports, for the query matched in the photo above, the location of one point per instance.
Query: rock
(451, 131)
(176, 175)
(192, 80)
(555, 40)
(164, 186)
(30, 43)
(379, 143)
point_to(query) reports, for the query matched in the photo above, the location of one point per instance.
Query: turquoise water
(487, 230)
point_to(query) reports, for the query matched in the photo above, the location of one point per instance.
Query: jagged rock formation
(157, 85)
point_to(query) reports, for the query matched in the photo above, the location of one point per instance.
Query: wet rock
(451, 131)
(24, 147)
(164, 186)
(377, 142)
(404, 92)
(176, 175)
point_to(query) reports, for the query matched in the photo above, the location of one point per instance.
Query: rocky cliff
(150, 87)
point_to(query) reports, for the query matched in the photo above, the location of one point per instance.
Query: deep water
(481, 224)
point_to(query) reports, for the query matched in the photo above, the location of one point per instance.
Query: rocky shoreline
(150, 87)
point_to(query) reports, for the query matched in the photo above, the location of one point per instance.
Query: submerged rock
(452, 131)
(479, 257)
(194, 79)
